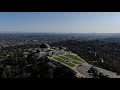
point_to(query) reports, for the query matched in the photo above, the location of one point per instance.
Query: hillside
(100, 53)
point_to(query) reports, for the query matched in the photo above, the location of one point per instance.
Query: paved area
(83, 70)
(105, 72)
(85, 66)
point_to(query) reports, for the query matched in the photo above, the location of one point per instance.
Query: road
(85, 66)
(105, 72)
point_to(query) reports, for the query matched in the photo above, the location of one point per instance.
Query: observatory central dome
(45, 45)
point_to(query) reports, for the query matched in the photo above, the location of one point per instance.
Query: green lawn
(64, 57)
(58, 59)
(63, 61)
(75, 62)
(74, 57)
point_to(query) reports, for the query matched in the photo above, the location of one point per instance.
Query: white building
(45, 50)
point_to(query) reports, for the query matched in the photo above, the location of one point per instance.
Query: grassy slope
(63, 61)
(73, 57)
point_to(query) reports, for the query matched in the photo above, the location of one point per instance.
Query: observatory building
(45, 50)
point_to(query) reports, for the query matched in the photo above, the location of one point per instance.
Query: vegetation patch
(75, 62)
(63, 61)
(64, 57)
(73, 57)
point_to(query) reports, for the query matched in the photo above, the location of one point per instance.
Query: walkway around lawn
(73, 65)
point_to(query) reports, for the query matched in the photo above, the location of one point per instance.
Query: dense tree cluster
(18, 66)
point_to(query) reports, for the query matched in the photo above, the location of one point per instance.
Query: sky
(60, 22)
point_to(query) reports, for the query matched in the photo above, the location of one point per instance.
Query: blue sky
(70, 22)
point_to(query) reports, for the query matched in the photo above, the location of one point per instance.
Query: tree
(7, 72)
(50, 73)
(24, 75)
(4, 75)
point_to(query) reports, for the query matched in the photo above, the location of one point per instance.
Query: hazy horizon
(60, 22)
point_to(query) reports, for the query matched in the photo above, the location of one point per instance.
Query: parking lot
(85, 67)
(83, 70)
